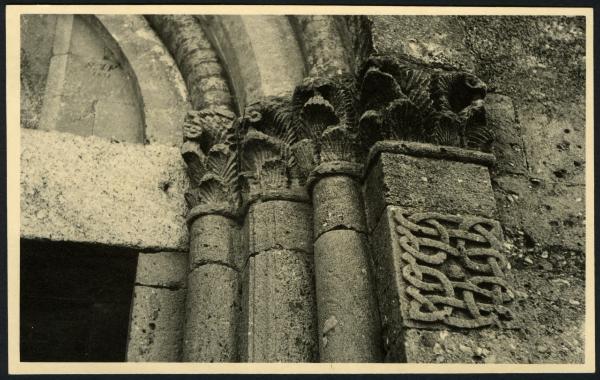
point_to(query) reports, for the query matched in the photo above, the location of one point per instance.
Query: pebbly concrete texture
(347, 308)
(37, 38)
(156, 324)
(279, 321)
(539, 62)
(89, 85)
(212, 309)
(419, 184)
(127, 194)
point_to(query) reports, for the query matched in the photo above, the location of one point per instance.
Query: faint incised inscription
(452, 271)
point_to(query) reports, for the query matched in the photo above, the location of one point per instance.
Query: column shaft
(157, 312)
(347, 308)
(212, 302)
(279, 319)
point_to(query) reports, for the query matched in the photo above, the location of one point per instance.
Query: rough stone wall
(535, 70)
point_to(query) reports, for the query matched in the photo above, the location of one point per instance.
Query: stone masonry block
(156, 325)
(420, 184)
(130, 126)
(87, 189)
(407, 322)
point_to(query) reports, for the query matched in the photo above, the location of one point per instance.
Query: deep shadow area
(75, 301)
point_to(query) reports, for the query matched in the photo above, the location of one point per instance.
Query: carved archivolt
(452, 271)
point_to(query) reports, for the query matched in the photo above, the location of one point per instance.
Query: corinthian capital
(209, 150)
(404, 100)
(328, 114)
(267, 130)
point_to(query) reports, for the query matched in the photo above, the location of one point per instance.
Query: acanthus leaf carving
(269, 128)
(328, 121)
(402, 100)
(209, 150)
(332, 120)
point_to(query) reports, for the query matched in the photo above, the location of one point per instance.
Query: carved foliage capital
(267, 131)
(279, 141)
(209, 150)
(404, 100)
(328, 107)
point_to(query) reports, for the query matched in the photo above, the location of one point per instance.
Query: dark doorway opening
(75, 301)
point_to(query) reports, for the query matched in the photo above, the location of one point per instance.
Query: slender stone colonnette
(279, 314)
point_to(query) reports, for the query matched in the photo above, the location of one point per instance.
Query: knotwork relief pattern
(452, 271)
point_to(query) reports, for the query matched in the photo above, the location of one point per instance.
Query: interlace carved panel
(452, 271)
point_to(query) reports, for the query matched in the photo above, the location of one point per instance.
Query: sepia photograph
(299, 185)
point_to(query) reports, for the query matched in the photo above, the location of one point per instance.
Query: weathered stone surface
(336, 201)
(508, 143)
(156, 326)
(162, 90)
(402, 342)
(213, 240)
(348, 314)
(212, 306)
(321, 44)
(262, 56)
(37, 37)
(196, 59)
(164, 269)
(129, 127)
(421, 39)
(127, 194)
(88, 76)
(553, 334)
(279, 323)
(278, 225)
(554, 218)
(385, 270)
(420, 184)
(540, 63)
